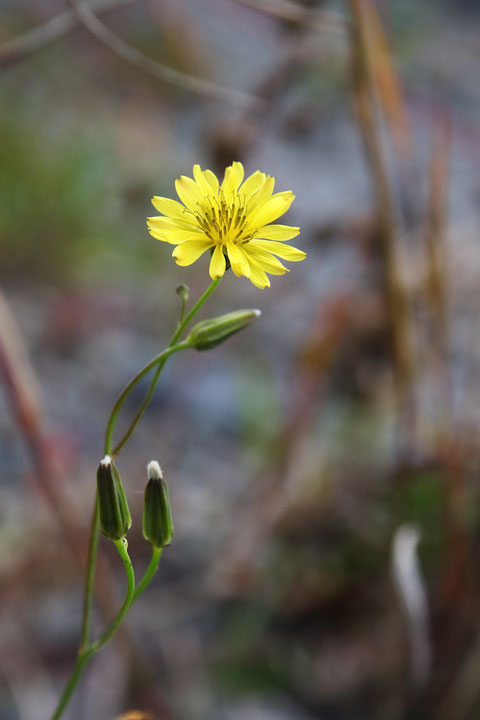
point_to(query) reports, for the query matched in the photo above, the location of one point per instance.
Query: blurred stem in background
(369, 84)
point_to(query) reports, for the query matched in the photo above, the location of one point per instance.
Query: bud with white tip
(157, 515)
(115, 519)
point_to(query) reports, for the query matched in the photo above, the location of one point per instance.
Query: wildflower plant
(235, 221)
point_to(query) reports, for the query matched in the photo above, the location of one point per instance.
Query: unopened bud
(183, 291)
(157, 514)
(208, 333)
(115, 519)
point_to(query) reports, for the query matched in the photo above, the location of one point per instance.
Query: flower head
(233, 219)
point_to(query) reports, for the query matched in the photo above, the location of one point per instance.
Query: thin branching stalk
(87, 649)
(86, 653)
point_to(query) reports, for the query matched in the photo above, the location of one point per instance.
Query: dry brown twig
(87, 17)
(294, 12)
(23, 393)
(25, 45)
(84, 14)
(366, 82)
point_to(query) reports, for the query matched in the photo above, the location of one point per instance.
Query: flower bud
(157, 514)
(208, 333)
(115, 519)
(183, 291)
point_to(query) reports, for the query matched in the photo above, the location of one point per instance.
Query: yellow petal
(212, 180)
(252, 183)
(187, 252)
(265, 260)
(170, 207)
(270, 210)
(238, 260)
(176, 236)
(233, 177)
(277, 232)
(264, 192)
(183, 235)
(217, 263)
(162, 235)
(160, 222)
(287, 252)
(189, 193)
(257, 275)
(201, 180)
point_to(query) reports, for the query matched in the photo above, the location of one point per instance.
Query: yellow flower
(232, 218)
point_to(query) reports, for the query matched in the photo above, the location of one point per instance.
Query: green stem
(183, 292)
(90, 577)
(149, 573)
(85, 653)
(86, 650)
(82, 658)
(178, 332)
(176, 335)
(121, 546)
(158, 360)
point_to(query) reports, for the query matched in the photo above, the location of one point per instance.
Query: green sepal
(115, 518)
(208, 333)
(157, 514)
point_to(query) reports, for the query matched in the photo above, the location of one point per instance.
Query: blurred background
(323, 464)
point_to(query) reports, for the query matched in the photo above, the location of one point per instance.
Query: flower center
(223, 220)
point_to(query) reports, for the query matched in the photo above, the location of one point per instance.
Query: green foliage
(54, 210)
(421, 501)
(240, 664)
(258, 400)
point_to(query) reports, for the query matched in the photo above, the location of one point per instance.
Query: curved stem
(176, 335)
(149, 573)
(85, 653)
(159, 359)
(121, 546)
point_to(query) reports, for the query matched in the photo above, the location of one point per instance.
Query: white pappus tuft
(154, 471)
